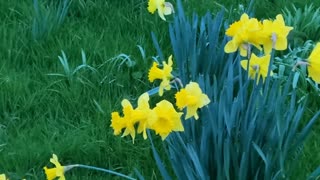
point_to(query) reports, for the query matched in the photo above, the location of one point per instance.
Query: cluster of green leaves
(48, 18)
(248, 130)
(57, 104)
(306, 23)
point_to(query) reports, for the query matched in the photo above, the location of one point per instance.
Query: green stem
(103, 170)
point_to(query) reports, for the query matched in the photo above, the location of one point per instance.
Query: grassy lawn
(47, 108)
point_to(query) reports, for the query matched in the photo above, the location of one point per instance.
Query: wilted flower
(314, 64)
(274, 34)
(164, 8)
(163, 74)
(244, 33)
(192, 98)
(168, 119)
(257, 66)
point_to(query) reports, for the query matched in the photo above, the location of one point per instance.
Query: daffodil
(244, 33)
(3, 177)
(192, 98)
(314, 64)
(131, 118)
(163, 74)
(274, 34)
(164, 8)
(257, 66)
(147, 115)
(168, 119)
(58, 171)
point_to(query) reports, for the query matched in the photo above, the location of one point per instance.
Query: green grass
(41, 114)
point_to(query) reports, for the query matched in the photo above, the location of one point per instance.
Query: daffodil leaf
(295, 79)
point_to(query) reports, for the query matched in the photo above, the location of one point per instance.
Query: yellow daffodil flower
(58, 171)
(244, 33)
(274, 34)
(192, 98)
(131, 118)
(168, 119)
(163, 74)
(257, 66)
(164, 8)
(3, 177)
(314, 64)
(148, 115)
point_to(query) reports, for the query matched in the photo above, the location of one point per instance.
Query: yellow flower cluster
(265, 36)
(163, 118)
(248, 32)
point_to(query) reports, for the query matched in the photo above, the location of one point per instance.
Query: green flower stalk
(58, 171)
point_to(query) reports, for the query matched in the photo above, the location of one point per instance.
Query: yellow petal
(281, 44)
(155, 72)
(267, 46)
(161, 14)
(50, 173)
(230, 47)
(244, 64)
(3, 177)
(180, 99)
(152, 6)
(192, 111)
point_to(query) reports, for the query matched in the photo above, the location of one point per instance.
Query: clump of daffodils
(249, 33)
(264, 36)
(163, 119)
